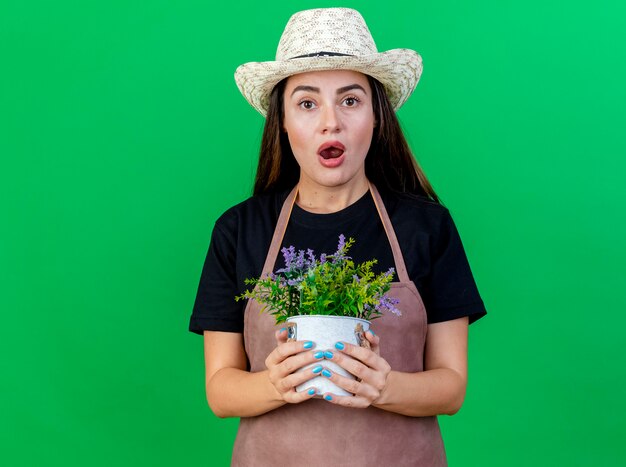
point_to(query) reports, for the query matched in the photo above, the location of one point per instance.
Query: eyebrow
(341, 90)
(350, 87)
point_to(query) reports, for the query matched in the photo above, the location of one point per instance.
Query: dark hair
(389, 163)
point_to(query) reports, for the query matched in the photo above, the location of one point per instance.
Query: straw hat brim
(399, 71)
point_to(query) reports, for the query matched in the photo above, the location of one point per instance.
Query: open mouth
(331, 150)
(331, 153)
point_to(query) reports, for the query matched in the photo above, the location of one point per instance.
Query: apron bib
(319, 433)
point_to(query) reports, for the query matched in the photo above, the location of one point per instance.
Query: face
(329, 121)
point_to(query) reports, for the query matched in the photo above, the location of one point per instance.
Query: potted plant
(324, 299)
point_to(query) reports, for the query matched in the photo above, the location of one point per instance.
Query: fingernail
(328, 354)
(308, 345)
(317, 369)
(311, 392)
(327, 373)
(328, 397)
(319, 354)
(282, 330)
(339, 346)
(373, 334)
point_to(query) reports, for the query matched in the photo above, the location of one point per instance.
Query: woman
(331, 132)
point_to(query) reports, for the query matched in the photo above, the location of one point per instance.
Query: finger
(294, 397)
(358, 388)
(377, 378)
(347, 401)
(294, 380)
(287, 349)
(352, 366)
(291, 381)
(366, 356)
(291, 365)
(281, 336)
(374, 341)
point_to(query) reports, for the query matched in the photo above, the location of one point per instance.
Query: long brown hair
(389, 163)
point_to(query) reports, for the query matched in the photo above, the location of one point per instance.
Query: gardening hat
(330, 39)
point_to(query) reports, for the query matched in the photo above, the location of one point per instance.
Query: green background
(123, 137)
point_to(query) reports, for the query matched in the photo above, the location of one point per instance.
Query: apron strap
(401, 271)
(283, 219)
(279, 232)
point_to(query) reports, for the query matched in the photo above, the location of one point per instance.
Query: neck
(325, 200)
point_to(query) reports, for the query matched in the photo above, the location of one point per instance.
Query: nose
(330, 120)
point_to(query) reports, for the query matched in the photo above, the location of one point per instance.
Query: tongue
(331, 153)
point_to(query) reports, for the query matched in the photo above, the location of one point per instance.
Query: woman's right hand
(283, 362)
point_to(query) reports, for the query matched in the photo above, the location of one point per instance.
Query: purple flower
(290, 255)
(295, 287)
(340, 254)
(342, 242)
(300, 260)
(389, 303)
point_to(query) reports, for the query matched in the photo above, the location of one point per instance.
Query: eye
(351, 101)
(306, 104)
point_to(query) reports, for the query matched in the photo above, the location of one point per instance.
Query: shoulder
(415, 211)
(256, 210)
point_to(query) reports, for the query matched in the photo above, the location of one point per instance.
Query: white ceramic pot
(325, 331)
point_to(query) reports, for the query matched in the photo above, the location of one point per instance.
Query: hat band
(322, 54)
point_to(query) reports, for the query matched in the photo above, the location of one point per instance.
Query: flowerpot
(325, 331)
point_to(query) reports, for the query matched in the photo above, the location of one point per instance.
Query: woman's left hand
(370, 369)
